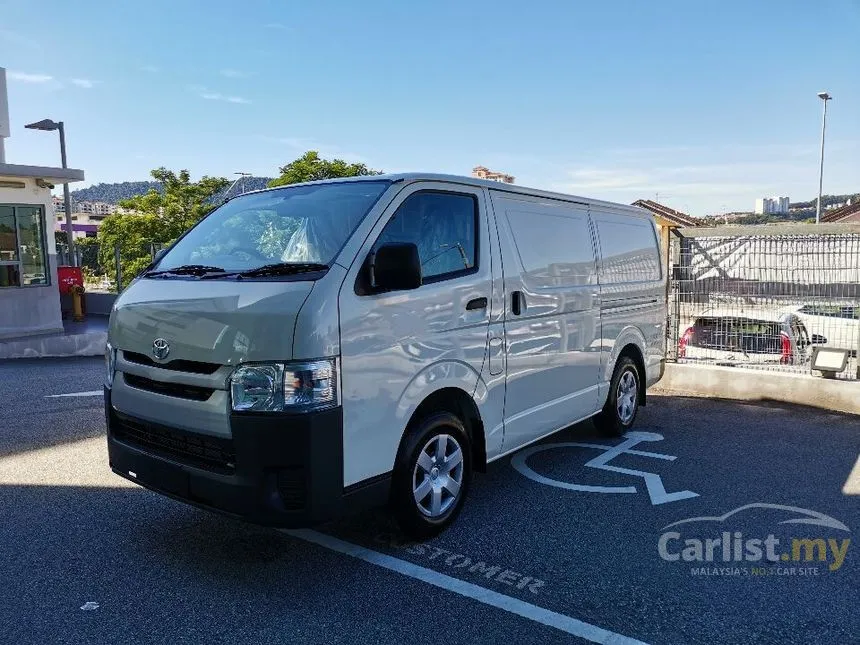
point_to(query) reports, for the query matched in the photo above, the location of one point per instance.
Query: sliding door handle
(518, 301)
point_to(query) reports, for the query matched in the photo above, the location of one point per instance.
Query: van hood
(223, 322)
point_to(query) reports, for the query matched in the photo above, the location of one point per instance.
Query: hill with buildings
(114, 193)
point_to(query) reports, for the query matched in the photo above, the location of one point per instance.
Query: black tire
(610, 421)
(415, 522)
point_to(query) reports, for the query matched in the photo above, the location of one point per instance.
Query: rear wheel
(621, 407)
(432, 475)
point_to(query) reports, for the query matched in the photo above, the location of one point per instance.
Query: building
(481, 172)
(29, 295)
(94, 208)
(83, 224)
(667, 219)
(849, 214)
(87, 216)
(772, 206)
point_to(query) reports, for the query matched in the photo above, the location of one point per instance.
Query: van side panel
(552, 314)
(632, 290)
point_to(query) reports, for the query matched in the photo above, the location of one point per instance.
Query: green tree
(310, 167)
(158, 217)
(180, 203)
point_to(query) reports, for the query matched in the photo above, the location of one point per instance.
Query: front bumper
(277, 470)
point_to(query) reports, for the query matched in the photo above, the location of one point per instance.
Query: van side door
(398, 347)
(552, 324)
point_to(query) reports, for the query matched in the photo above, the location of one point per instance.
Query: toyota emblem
(160, 348)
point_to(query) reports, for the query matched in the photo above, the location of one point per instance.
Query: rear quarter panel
(632, 288)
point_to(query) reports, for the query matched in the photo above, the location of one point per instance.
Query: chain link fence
(764, 297)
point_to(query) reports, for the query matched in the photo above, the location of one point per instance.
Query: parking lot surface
(649, 538)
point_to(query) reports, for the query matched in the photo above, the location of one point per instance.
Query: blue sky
(708, 104)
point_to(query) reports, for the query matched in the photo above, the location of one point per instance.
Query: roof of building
(838, 214)
(670, 214)
(49, 174)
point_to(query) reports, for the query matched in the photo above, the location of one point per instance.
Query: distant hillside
(826, 200)
(114, 193)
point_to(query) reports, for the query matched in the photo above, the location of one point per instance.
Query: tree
(310, 167)
(156, 218)
(180, 204)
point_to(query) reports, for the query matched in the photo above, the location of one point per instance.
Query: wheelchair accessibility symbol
(653, 482)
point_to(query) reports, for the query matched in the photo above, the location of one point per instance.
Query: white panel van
(314, 349)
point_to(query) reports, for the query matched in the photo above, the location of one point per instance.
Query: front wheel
(621, 407)
(431, 476)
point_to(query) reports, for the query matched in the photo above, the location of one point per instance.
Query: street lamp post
(242, 176)
(47, 125)
(824, 96)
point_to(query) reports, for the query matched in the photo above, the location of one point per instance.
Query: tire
(622, 404)
(421, 517)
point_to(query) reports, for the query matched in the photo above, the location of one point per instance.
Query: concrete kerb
(753, 385)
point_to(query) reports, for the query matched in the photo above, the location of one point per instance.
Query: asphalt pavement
(608, 539)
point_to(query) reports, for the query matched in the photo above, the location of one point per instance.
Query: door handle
(476, 303)
(517, 302)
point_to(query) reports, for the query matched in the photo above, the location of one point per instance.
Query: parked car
(310, 350)
(840, 324)
(738, 339)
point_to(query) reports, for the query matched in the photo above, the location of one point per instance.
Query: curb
(752, 385)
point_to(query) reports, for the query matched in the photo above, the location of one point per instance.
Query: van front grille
(179, 365)
(200, 451)
(177, 390)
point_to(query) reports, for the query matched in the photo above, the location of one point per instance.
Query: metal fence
(763, 297)
(109, 272)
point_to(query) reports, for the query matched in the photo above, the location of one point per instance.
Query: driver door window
(443, 227)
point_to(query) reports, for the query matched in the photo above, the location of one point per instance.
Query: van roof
(473, 181)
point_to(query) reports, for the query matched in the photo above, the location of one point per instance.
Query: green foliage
(61, 238)
(180, 204)
(158, 217)
(88, 250)
(310, 167)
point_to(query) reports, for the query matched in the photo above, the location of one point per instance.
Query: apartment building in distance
(482, 172)
(87, 216)
(771, 206)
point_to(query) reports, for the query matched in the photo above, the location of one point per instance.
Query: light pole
(48, 126)
(824, 96)
(242, 176)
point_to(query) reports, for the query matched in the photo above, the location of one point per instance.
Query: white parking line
(91, 393)
(493, 598)
(852, 484)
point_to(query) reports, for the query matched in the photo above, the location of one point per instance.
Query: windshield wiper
(186, 269)
(283, 268)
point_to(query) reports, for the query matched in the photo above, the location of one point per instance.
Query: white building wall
(32, 309)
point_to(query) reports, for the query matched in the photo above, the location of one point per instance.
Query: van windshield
(293, 225)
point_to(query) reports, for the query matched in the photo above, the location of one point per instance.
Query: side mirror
(158, 256)
(818, 339)
(395, 267)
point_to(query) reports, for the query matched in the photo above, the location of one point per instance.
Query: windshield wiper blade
(283, 268)
(186, 269)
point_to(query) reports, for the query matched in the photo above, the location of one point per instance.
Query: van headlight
(299, 386)
(110, 364)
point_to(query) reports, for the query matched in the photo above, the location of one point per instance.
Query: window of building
(23, 254)
(443, 226)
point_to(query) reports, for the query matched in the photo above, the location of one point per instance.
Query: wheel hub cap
(438, 475)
